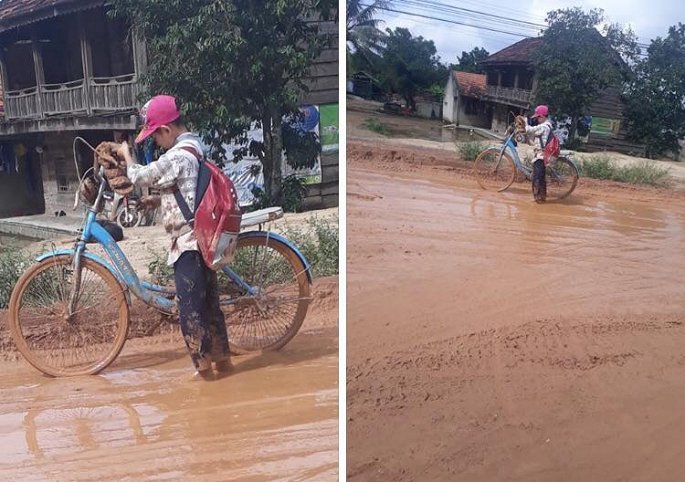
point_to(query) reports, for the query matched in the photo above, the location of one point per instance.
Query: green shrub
(468, 151)
(13, 263)
(377, 126)
(293, 192)
(160, 272)
(317, 240)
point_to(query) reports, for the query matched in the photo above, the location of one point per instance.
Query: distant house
(463, 103)
(365, 85)
(511, 82)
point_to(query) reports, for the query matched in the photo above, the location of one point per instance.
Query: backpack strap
(180, 200)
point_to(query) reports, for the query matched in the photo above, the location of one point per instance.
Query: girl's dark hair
(180, 122)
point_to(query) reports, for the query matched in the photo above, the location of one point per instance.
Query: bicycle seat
(261, 216)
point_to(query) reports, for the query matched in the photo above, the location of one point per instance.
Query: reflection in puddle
(157, 425)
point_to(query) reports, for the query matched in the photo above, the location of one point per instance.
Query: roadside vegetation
(603, 167)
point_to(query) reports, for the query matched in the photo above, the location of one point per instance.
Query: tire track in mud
(546, 344)
(476, 406)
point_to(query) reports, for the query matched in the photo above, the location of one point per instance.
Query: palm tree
(363, 34)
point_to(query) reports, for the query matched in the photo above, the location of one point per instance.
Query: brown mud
(145, 418)
(491, 338)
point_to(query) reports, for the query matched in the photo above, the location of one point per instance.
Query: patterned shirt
(180, 168)
(541, 133)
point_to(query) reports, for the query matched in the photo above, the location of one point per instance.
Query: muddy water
(491, 338)
(275, 418)
(457, 249)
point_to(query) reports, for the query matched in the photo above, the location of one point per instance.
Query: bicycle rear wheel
(494, 171)
(561, 179)
(52, 340)
(269, 318)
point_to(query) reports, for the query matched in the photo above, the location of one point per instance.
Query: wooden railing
(98, 94)
(63, 98)
(113, 93)
(22, 104)
(519, 96)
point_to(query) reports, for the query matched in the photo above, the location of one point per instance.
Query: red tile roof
(522, 52)
(470, 85)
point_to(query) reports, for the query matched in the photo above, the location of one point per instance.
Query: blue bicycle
(496, 168)
(69, 312)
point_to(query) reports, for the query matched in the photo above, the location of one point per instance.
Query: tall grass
(603, 167)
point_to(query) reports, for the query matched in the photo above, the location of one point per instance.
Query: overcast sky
(648, 20)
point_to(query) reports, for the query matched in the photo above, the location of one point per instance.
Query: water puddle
(271, 420)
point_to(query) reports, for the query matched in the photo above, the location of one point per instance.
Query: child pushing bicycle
(546, 147)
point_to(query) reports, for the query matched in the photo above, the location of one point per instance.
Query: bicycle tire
(45, 359)
(494, 178)
(246, 325)
(561, 182)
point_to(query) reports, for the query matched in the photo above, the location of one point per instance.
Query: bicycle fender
(93, 257)
(572, 161)
(283, 240)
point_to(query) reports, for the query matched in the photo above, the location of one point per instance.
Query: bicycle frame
(151, 294)
(508, 145)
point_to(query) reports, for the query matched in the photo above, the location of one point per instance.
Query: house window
(507, 78)
(21, 74)
(526, 80)
(62, 184)
(60, 50)
(111, 45)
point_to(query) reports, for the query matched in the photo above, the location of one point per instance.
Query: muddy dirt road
(144, 418)
(490, 338)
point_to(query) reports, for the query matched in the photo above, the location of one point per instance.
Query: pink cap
(158, 111)
(541, 111)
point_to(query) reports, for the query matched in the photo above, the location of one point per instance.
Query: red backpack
(552, 148)
(216, 221)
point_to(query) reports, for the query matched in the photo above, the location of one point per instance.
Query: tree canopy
(232, 63)
(468, 61)
(364, 35)
(575, 63)
(410, 65)
(656, 97)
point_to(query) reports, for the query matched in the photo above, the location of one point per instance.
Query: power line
(444, 8)
(451, 8)
(449, 21)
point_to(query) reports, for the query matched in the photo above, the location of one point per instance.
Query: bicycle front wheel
(494, 171)
(561, 179)
(60, 341)
(269, 317)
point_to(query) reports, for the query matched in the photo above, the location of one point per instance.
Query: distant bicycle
(496, 167)
(69, 312)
